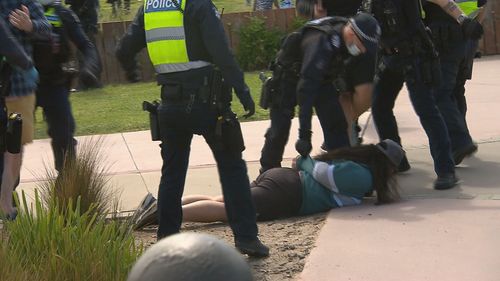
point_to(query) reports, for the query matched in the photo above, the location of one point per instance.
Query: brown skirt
(277, 193)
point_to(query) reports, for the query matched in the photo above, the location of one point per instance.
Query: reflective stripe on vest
(52, 17)
(165, 37)
(467, 6)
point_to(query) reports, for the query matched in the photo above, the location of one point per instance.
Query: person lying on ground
(331, 180)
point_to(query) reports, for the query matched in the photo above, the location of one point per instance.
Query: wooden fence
(111, 32)
(490, 44)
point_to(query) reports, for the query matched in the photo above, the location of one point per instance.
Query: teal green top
(332, 185)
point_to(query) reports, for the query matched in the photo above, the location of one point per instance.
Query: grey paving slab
(417, 240)
(37, 156)
(145, 153)
(129, 189)
(430, 235)
(479, 174)
(116, 156)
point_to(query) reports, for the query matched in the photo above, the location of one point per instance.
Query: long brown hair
(383, 170)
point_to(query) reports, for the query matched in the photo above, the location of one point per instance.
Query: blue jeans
(177, 128)
(458, 131)
(54, 99)
(388, 83)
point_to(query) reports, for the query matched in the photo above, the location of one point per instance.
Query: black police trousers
(330, 115)
(178, 121)
(464, 74)
(392, 73)
(54, 99)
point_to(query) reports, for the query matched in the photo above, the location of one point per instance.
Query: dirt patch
(290, 241)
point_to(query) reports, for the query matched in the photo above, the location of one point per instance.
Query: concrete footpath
(430, 235)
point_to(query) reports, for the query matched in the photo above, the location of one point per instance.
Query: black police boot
(404, 165)
(466, 151)
(445, 182)
(253, 248)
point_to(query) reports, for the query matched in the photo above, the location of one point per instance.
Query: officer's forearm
(11, 49)
(450, 7)
(306, 92)
(233, 76)
(41, 27)
(305, 116)
(18, 57)
(127, 60)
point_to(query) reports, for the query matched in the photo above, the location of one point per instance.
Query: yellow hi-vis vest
(467, 6)
(165, 37)
(53, 18)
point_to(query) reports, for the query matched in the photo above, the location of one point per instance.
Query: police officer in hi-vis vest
(53, 59)
(451, 29)
(196, 70)
(473, 9)
(407, 54)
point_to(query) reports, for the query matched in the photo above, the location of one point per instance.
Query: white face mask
(46, 2)
(353, 50)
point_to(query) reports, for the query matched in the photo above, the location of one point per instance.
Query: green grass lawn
(229, 6)
(118, 108)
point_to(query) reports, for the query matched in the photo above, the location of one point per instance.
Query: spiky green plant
(45, 244)
(82, 176)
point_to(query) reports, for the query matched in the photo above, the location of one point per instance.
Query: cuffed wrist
(305, 134)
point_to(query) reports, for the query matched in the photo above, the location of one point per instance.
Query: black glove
(472, 29)
(247, 102)
(91, 68)
(249, 108)
(303, 144)
(88, 77)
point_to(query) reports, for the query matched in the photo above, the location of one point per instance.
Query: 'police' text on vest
(162, 5)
